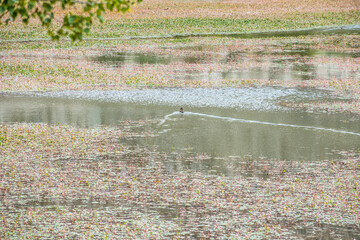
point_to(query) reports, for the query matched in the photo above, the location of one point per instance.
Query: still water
(241, 122)
(296, 64)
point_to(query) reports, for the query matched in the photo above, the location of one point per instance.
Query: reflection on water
(219, 137)
(217, 131)
(284, 65)
(283, 72)
(119, 59)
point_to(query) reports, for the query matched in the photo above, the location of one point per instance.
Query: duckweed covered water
(239, 141)
(127, 191)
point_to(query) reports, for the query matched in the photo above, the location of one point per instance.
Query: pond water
(238, 123)
(225, 126)
(294, 64)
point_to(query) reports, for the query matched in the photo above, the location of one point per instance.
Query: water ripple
(230, 119)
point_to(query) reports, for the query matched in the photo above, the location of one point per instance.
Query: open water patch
(231, 119)
(217, 122)
(285, 64)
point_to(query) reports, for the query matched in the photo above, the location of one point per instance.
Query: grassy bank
(115, 28)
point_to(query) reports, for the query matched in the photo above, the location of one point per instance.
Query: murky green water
(240, 123)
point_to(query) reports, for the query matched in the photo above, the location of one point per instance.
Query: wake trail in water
(167, 117)
(230, 119)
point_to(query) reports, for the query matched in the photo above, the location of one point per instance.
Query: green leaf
(14, 14)
(55, 38)
(101, 7)
(98, 12)
(87, 8)
(110, 6)
(41, 16)
(71, 19)
(2, 9)
(31, 5)
(47, 7)
(101, 18)
(124, 9)
(74, 26)
(60, 32)
(11, 9)
(23, 12)
(25, 20)
(47, 21)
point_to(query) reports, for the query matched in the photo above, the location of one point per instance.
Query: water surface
(221, 123)
(296, 63)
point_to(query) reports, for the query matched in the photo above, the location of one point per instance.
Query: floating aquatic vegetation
(60, 181)
(231, 68)
(327, 107)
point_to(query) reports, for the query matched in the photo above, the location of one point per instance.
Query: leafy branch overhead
(73, 24)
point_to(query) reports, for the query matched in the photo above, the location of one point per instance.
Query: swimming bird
(181, 110)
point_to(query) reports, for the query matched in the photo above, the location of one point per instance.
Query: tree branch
(75, 1)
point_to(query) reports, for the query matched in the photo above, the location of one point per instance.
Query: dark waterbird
(181, 110)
